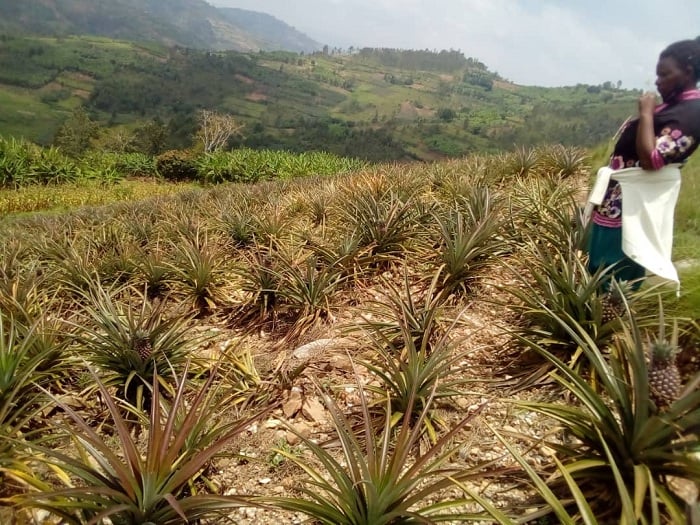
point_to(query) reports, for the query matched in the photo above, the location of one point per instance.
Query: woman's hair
(686, 53)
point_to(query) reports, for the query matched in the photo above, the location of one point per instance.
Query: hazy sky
(532, 42)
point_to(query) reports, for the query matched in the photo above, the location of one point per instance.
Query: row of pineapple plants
(117, 293)
(23, 163)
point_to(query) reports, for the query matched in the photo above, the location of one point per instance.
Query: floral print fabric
(677, 129)
(672, 144)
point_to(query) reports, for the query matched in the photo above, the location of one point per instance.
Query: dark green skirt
(605, 249)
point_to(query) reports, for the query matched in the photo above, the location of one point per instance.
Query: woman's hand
(647, 103)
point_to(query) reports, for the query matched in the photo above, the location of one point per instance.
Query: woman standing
(660, 137)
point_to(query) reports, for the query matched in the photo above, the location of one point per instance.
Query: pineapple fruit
(664, 376)
(613, 302)
(142, 346)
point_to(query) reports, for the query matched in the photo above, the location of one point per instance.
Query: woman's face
(671, 78)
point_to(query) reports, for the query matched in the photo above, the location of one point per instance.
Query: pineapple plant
(128, 339)
(150, 481)
(467, 239)
(623, 432)
(664, 376)
(385, 223)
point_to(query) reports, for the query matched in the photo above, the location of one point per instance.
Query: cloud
(535, 42)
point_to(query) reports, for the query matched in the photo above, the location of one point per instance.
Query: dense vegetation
(372, 104)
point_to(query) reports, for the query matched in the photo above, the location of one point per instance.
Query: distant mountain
(188, 23)
(272, 34)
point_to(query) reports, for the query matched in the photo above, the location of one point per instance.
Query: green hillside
(189, 23)
(374, 104)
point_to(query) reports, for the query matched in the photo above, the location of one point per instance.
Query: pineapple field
(367, 344)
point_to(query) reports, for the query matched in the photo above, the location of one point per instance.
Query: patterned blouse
(677, 130)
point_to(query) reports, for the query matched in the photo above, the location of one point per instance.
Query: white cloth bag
(648, 204)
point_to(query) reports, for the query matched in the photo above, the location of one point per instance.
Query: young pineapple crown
(663, 350)
(619, 292)
(664, 347)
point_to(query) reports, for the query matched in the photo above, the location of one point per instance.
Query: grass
(687, 242)
(688, 304)
(75, 81)
(244, 107)
(686, 245)
(28, 117)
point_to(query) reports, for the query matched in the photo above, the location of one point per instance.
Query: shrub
(176, 165)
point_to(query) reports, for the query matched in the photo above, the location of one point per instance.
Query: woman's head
(678, 68)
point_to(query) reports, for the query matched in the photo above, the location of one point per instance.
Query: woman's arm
(646, 139)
